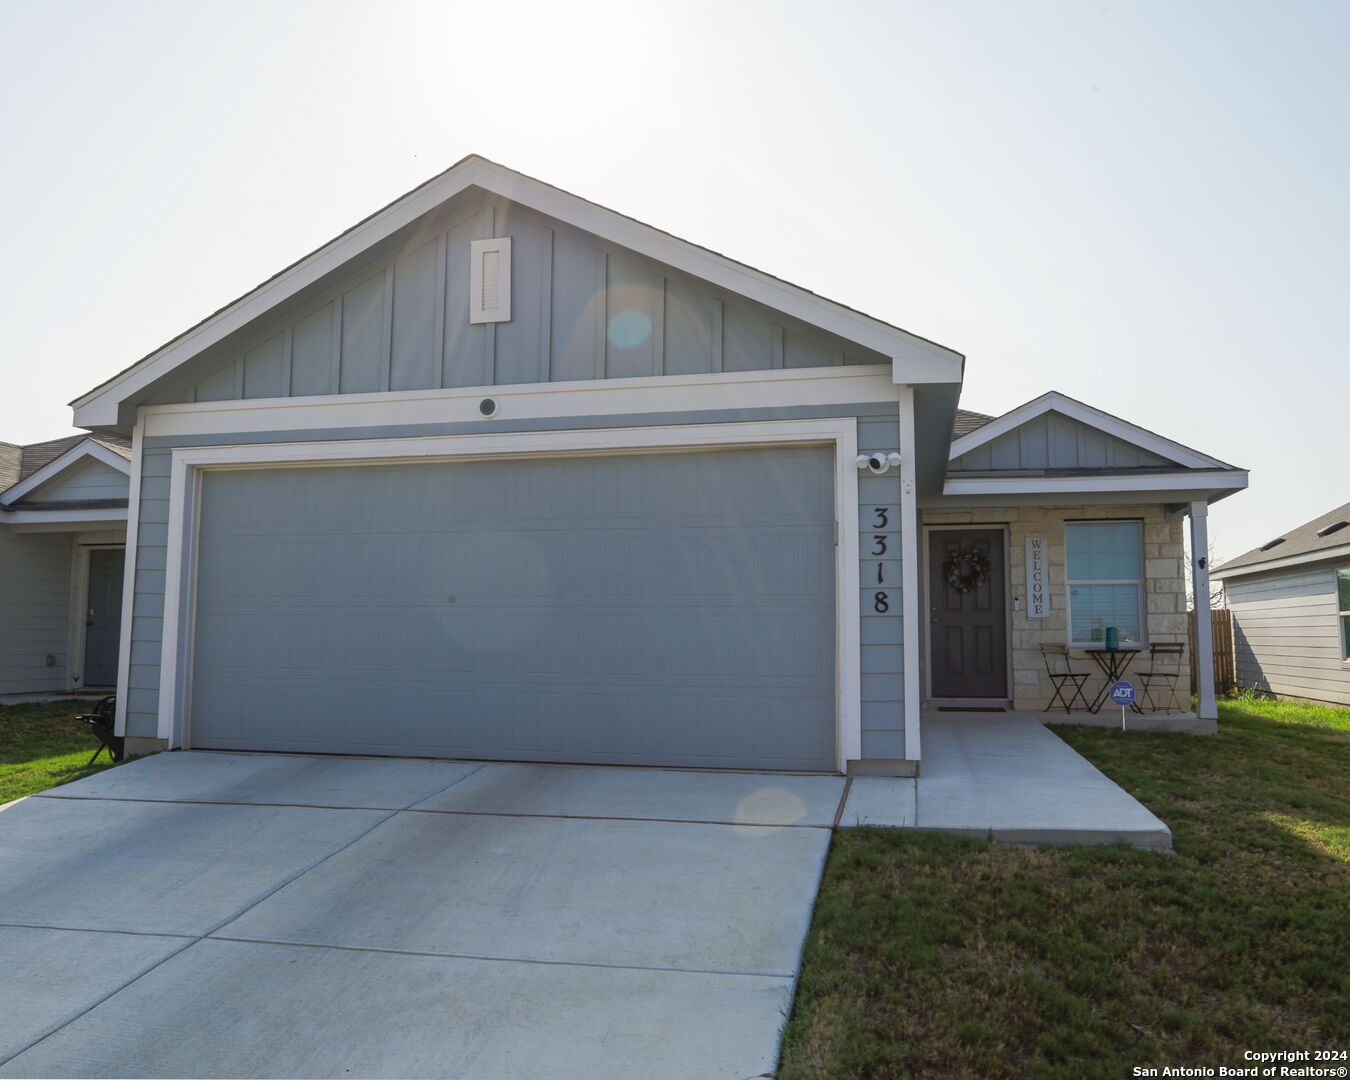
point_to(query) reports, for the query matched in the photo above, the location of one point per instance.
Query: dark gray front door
(969, 630)
(103, 616)
(658, 609)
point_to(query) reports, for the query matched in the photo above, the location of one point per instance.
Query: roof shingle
(1303, 540)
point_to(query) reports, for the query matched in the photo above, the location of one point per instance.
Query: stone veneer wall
(1164, 585)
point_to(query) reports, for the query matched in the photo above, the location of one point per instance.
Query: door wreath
(966, 569)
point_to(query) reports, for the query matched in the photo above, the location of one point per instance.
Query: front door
(968, 653)
(103, 616)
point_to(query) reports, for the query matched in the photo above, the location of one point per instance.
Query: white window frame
(1141, 592)
(1342, 613)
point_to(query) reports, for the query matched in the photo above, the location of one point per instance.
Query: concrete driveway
(205, 914)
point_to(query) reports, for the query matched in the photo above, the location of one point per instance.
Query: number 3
(880, 604)
(882, 518)
(880, 548)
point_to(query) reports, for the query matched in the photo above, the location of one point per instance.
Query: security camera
(878, 464)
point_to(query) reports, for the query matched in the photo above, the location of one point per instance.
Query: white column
(911, 627)
(1204, 631)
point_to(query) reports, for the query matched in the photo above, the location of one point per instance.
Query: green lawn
(42, 746)
(932, 956)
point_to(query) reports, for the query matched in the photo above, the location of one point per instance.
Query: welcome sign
(1038, 592)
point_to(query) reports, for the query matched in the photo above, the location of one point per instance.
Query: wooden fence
(1225, 659)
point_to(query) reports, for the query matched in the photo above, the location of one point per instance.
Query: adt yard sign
(1122, 693)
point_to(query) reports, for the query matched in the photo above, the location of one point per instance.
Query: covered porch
(1059, 559)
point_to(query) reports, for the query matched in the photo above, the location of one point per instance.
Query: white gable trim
(87, 449)
(916, 360)
(1085, 414)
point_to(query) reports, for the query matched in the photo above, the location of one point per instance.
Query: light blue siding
(86, 479)
(1055, 441)
(1287, 634)
(34, 611)
(580, 309)
(673, 609)
(147, 622)
(883, 661)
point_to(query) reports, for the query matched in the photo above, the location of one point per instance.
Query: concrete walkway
(199, 914)
(1006, 777)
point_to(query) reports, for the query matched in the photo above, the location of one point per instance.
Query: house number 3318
(883, 546)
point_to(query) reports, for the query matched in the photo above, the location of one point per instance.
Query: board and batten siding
(1286, 635)
(1055, 441)
(882, 661)
(87, 479)
(34, 611)
(580, 309)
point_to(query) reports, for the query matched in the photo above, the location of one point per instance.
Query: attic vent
(1273, 544)
(490, 280)
(1333, 528)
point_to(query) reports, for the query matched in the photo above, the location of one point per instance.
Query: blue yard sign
(1122, 693)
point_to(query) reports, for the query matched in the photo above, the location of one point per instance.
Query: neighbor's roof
(967, 421)
(18, 463)
(35, 456)
(1327, 533)
(11, 460)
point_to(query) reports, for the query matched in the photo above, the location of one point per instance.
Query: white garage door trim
(190, 462)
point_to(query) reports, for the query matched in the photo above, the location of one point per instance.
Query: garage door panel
(674, 609)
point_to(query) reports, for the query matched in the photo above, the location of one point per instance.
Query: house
(500, 473)
(63, 522)
(1290, 600)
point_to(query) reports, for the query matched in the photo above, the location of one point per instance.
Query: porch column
(1204, 630)
(911, 626)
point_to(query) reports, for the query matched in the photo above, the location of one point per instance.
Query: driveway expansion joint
(777, 975)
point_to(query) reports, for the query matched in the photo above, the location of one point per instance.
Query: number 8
(880, 603)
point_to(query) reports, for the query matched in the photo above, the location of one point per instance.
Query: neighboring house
(63, 521)
(1290, 600)
(500, 473)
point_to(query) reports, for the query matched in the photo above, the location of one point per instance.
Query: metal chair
(100, 723)
(1060, 671)
(1164, 666)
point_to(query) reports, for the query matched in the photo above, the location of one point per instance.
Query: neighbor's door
(103, 616)
(968, 640)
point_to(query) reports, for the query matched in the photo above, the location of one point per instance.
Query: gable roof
(39, 463)
(1324, 537)
(1054, 401)
(917, 359)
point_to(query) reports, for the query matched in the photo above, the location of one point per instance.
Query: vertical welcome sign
(1038, 594)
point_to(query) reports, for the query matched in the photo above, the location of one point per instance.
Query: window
(1105, 573)
(1343, 610)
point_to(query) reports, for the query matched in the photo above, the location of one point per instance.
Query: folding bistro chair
(1060, 670)
(1164, 666)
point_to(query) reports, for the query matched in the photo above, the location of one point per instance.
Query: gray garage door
(647, 609)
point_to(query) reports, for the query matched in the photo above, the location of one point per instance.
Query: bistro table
(1114, 663)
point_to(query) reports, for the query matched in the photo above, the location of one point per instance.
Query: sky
(1143, 205)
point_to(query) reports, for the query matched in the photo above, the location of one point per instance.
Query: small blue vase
(1112, 639)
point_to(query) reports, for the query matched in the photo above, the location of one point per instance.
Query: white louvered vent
(490, 280)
